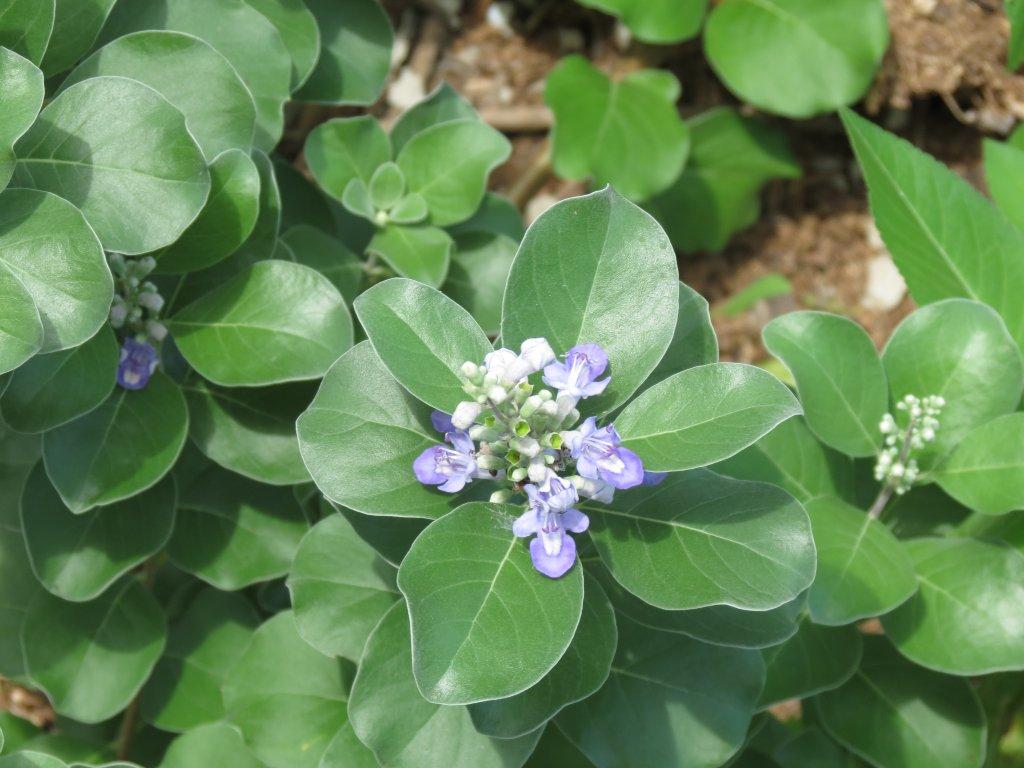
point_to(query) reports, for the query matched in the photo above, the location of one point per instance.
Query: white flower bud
(497, 395)
(118, 314)
(465, 414)
(469, 369)
(527, 446)
(534, 354)
(154, 302)
(531, 406)
(538, 472)
(156, 331)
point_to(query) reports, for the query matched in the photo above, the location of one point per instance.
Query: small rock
(499, 16)
(406, 90)
(885, 285)
(925, 7)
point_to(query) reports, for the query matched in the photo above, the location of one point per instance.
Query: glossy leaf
(421, 253)
(344, 149)
(140, 181)
(120, 448)
(480, 263)
(423, 338)
(262, 241)
(92, 658)
(21, 328)
(23, 97)
(441, 105)
(815, 659)
(274, 323)
(656, 21)
(390, 537)
(76, 25)
(699, 539)
(213, 744)
(299, 32)
(26, 27)
(986, 470)
(797, 58)
(328, 256)
(581, 261)
(704, 415)
(496, 215)
(965, 617)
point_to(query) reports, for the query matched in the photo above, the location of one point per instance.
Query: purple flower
(442, 422)
(449, 468)
(137, 363)
(599, 456)
(654, 478)
(550, 515)
(577, 376)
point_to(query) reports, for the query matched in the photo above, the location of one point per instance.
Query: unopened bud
(526, 446)
(154, 302)
(465, 414)
(518, 474)
(497, 395)
(156, 331)
(500, 497)
(530, 407)
(489, 462)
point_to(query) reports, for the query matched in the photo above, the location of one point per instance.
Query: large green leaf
(92, 658)
(960, 350)
(26, 27)
(23, 91)
(391, 537)
(21, 328)
(288, 699)
(669, 700)
(220, 115)
(275, 322)
(693, 342)
(1004, 176)
(626, 133)
(233, 532)
(208, 745)
(719, 191)
(299, 32)
(475, 601)
(423, 338)
(328, 256)
(480, 263)
(50, 390)
(703, 415)
(139, 180)
(582, 261)
(76, 557)
(986, 469)
(797, 58)
(656, 21)
(896, 715)
(448, 164)
(204, 643)
(578, 674)
(340, 587)
(120, 448)
(356, 53)
(344, 149)
(945, 237)
(360, 436)
(75, 27)
(46, 244)
(815, 659)
(699, 539)
(966, 616)
(863, 571)
(249, 431)
(244, 36)
(839, 377)
(403, 729)
(418, 252)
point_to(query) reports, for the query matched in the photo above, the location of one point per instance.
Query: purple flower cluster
(137, 363)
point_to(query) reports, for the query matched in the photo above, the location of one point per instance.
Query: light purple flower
(576, 377)
(550, 515)
(442, 422)
(449, 468)
(598, 490)
(654, 478)
(137, 363)
(599, 456)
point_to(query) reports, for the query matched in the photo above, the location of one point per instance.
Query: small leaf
(815, 659)
(387, 185)
(986, 470)
(213, 744)
(344, 149)
(26, 27)
(441, 105)
(356, 199)
(23, 98)
(659, 22)
(420, 253)
(328, 256)
(411, 209)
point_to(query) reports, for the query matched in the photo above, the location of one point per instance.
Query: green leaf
(496, 215)
(30, 760)
(23, 97)
(249, 431)
(21, 328)
(423, 338)
(328, 256)
(51, 390)
(797, 58)
(76, 25)
(960, 350)
(411, 209)
(441, 105)
(274, 323)
(340, 588)
(26, 26)
(245, 37)
(986, 469)
(626, 133)
(699, 539)
(92, 658)
(791, 457)
(475, 601)
(703, 415)
(897, 715)
(299, 32)
(1004, 176)
(387, 185)
(965, 618)
(403, 729)
(863, 571)
(480, 263)
(220, 115)
(204, 643)
(592, 291)
(420, 253)
(356, 55)
(815, 659)
(945, 237)
(118, 172)
(302, 202)
(656, 21)
(701, 697)
(288, 700)
(448, 164)
(578, 674)
(263, 240)
(347, 751)
(207, 745)
(344, 149)
(1015, 54)
(360, 436)
(810, 748)
(76, 557)
(233, 532)
(47, 245)
(839, 377)
(391, 537)
(764, 288)
(120, 448)
(716, 624)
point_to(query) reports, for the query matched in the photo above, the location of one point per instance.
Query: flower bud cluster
(896, 465)
(137, 302)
